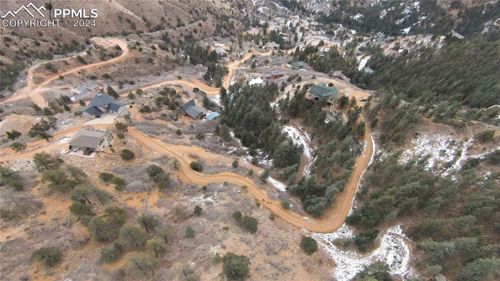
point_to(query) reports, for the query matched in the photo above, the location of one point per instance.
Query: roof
(88, 138)
(103, 100)
(92, 110)
(191, 109)
(324, 91)
(213, 115)
(188, 104)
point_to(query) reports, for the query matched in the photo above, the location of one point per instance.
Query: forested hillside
(454, 222)
(421, 17)
(248, 112)
(338, 145)
(463, 73)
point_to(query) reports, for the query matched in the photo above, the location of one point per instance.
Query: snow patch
(256, 81)
(277, 184)
(438, 148)
(299, 138)
(204, 200)
(393, 250)
(363, 62)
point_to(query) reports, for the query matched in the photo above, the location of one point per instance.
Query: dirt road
(331, 221)
(195, 83)
(231, 66)
(34, 91)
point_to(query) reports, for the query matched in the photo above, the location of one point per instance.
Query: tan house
(90, 141)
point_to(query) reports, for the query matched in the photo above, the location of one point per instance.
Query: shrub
(12, 135)
(111, 253)
(44, 161)
(159, 176)
(10, 178)
(285, 204)
(245, 222)
(49, 256)
(81, 60)
(366, 239)
(235, 267)
(198, 210)
(80, 209)
(145, 109)
(121, 127)
(189, 232)
(149, 222)
(157, 246)
(119, 183)
(18, 146)
(127, 154)
(196, 166)
(480, 269)
(141, 265)
(116, 216)
(101, 230)
(132, 237)
(106, 177)
(309, 245)
(235, 164)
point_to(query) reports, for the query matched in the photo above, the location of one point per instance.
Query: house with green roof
(320, 91)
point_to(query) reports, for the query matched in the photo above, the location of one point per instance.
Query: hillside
(233, 140)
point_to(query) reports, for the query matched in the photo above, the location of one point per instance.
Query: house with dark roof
(103, 103)
(90, 141)
(274, 74)
(320, 91)
(191, 109)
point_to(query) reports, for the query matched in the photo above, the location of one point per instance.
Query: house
(103, 103)
(272, 46)
(320, 91)
(90, 141)
(275, 74)
(190, 108)
(212, 115)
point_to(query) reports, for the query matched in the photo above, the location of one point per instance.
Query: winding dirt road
(332, 219)
(209, 90)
